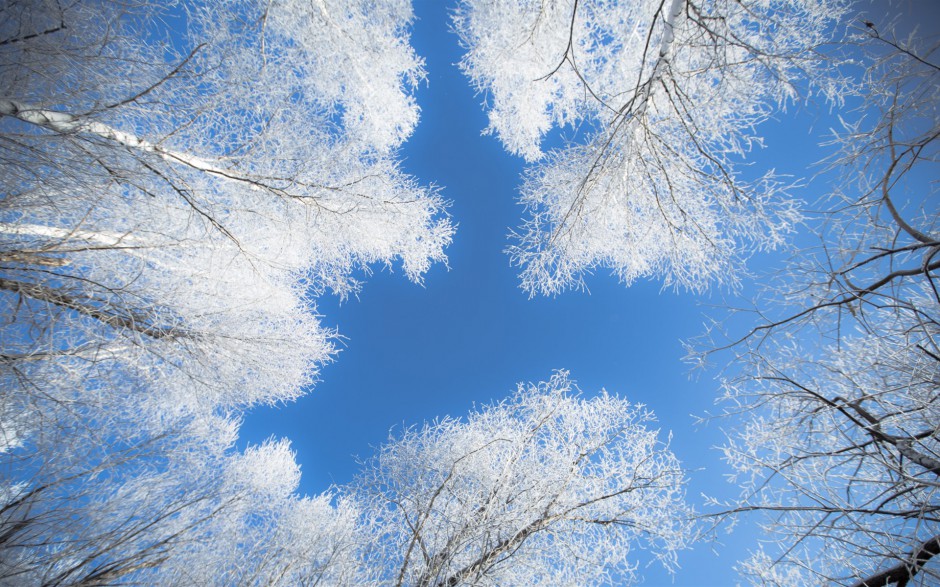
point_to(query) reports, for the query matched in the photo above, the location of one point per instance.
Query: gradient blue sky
(412, 353)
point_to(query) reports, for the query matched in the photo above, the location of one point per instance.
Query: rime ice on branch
(839, 379)
(663, 99)
(175, 179)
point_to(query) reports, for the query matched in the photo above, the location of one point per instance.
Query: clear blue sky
(413, 353)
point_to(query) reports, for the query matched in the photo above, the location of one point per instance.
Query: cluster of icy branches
(666, 97)
(179, 180)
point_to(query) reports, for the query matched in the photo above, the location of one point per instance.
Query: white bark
(103, 238)
(65, 123)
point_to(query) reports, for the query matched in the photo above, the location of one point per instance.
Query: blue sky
(412, 353)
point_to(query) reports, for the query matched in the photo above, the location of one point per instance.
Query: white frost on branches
(663, 99)
(544, 488)
(176, 181)
(839, 378)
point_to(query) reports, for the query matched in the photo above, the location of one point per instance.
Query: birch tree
(544, 488)
(264, 533)
(662, 99)
(177, 181)
(839, 380)
(179, 510)
(156, 181)
(170, 193)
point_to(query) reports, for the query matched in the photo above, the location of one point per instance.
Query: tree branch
(903, 572)
(46, 294)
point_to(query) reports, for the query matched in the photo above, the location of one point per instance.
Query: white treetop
(544, 488)
(839, 380)
(165, 191)
(176, 181)
(663, 99)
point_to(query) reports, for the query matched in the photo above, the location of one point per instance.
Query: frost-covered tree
(264, 533)
(76, 513)
(841, 380)
(544, 488)
(175, 180)
(663, 98)
(178, 510)
(170, 173)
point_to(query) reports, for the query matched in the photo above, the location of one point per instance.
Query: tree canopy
(664, 98)
(180, 182)
(177, 181)
(840, 375)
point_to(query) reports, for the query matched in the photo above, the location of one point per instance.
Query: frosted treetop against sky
(244, 238)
